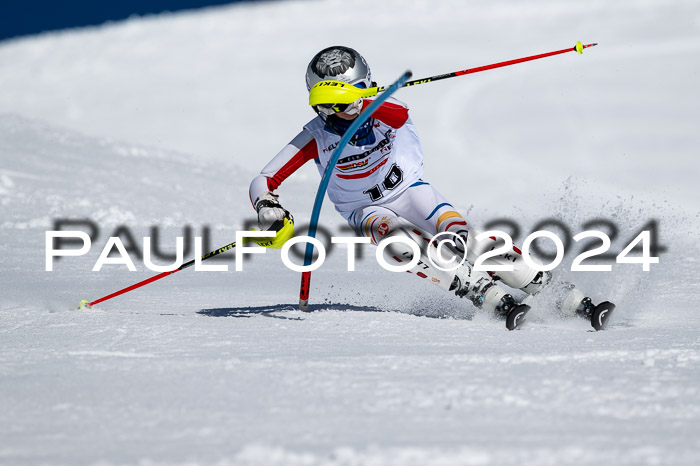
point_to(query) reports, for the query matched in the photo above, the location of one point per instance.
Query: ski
(601, 315)
(516, 316)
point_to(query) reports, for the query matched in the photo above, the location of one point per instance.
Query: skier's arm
(295, 154)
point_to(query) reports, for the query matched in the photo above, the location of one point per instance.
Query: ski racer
(377, 186)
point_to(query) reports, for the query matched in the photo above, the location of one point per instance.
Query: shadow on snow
(269, 311)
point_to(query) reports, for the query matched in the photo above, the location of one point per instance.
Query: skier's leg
(379, 222)
(530, 280)
(374, 222)
(478, 287)
(426, 208)
(430, 211)
(571, 301)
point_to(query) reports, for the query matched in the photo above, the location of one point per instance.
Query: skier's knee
(377, 227)
(537, 283)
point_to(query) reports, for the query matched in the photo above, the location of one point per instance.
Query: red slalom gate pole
(579, 47)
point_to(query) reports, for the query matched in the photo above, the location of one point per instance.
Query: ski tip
(84, 304)
(516, 316)
(601, 315)
(304, 305)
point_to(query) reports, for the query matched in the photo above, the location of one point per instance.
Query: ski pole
(85, 304)
(576, 48)
(338, 92)
(316, 212)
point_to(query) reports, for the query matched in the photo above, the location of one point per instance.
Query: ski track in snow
(220, 368)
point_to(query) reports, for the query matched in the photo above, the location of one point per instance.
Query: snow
(160, 122)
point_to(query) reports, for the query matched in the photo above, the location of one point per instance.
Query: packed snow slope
(155, 125)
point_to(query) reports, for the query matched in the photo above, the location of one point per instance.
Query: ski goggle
(330, 109)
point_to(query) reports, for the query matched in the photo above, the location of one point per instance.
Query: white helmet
(339, 63)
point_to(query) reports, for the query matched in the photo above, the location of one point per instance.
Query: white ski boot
(575, 303)
(481, 290)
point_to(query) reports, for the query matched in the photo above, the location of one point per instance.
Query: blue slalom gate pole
(316, 212)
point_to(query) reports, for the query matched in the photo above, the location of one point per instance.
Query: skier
(377, 187)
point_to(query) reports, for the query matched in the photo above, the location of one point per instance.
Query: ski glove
(271, 214)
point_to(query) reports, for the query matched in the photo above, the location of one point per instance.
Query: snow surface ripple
(220, 368)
